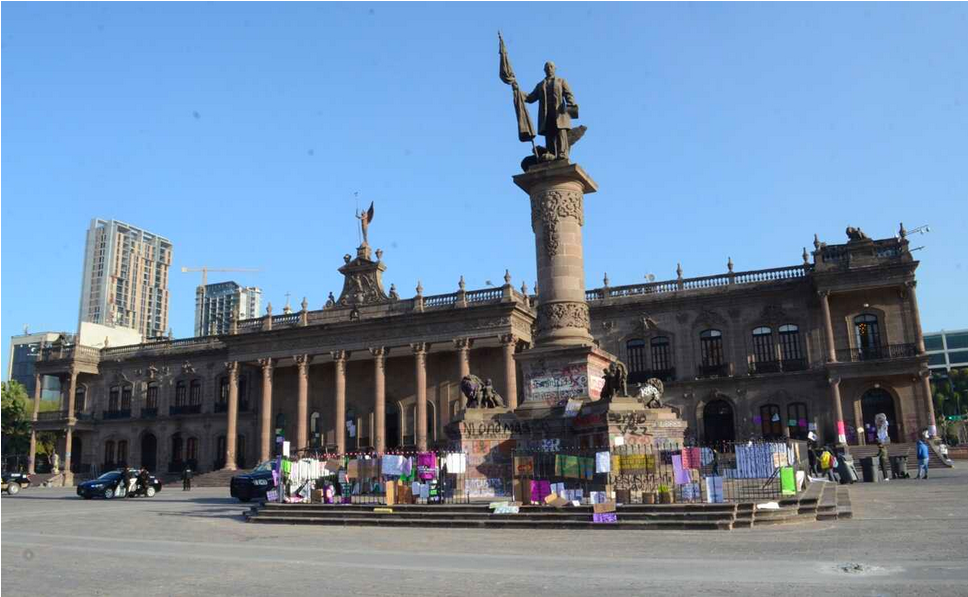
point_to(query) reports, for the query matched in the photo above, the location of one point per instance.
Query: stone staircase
(818, 502)
(220, 478)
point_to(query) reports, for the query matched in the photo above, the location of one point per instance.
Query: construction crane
(205, 269)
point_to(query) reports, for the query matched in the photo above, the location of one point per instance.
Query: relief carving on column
(562, 315)
(549, 207)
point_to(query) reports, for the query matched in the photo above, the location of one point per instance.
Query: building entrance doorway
(149, 452)
(717, 422)
(873, 402)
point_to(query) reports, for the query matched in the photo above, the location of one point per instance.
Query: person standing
(885, 461)
(187, 479)
(923, 455)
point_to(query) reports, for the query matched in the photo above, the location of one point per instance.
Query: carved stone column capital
(302, 363)
(834, 380)
(232, 367)
(266, 365)
(508, 340)
(340, 356)
(462, 344)
(823, 293)
(420, 348)
(380, 355)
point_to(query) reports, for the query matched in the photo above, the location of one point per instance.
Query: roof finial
(507, 277)
(524, 288)
(729, 264)
(304, 304)
(605, 279)
(679, 270)
(903, 231)
(269, 308)
(806, 256)
(419, 288)
(461, 284)
(816, 242)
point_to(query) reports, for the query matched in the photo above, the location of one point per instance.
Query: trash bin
(846, 470)
(899, 467)
(867, 467)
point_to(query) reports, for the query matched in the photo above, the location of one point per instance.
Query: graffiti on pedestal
(555, 385)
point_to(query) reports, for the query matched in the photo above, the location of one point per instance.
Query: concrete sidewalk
(906, 538)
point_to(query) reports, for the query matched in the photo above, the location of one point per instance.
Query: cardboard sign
(572, 407)
(553, 500)
(604, 508)
(605, 518)
(285, 449)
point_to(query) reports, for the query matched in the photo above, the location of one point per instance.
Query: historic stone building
(762, 353)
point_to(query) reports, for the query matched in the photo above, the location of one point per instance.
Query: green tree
(16, 414)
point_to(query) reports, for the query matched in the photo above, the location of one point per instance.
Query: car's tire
(13, 488)
(150, 492)
(108, 493)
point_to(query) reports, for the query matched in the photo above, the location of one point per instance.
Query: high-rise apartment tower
(215, 302)
(125, 280)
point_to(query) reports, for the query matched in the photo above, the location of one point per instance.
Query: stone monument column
(557, 193)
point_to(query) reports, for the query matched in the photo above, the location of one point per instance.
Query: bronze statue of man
(556, 108)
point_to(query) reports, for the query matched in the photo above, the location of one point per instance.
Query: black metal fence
(635, 474)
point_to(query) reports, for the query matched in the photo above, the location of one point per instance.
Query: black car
(106, 486)
(14, 482)
(253, 484)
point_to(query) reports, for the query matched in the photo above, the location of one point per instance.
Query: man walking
(923, 455)
(187, 479)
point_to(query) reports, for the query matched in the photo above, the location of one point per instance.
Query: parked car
(253, 484)
(14, 482)
(106, 486)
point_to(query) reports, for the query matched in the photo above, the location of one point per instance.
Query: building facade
(777, 352)
(217, 304)
(125, 278)
(23, 354)
(947, 350)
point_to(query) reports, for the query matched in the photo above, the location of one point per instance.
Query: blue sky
(242, 132)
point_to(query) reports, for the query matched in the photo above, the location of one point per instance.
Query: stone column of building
(838, 410)
(265, 412)
(339, 359)
(38, 389)
(509, 343)
(379, 398)
(828, 326)
(302, 402)
(420, 361)
(231, 427)
(925, 374)
(463, 346)
(68, 441)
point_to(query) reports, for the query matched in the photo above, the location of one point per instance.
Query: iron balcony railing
(784, 366)
(116, 414)
(877, 353)
(185, 409)
(665, 375)
(721, 370)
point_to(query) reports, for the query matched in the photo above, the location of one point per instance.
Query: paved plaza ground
(909, 537)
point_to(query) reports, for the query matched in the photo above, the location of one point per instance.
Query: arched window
(151, 396)
(764, 355)
(191, 449)
(195, 395)
(177, 446)
(867, 335)
(711, 351)
(80, 398)
(123, 452)
(662, 358)
(220, 452)
(790, 352)
(797, 420)
(771, 425)
(181, 393)
(126, 398)
(223, 390)
(108, 453)
(113, 396)
(638, 368)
